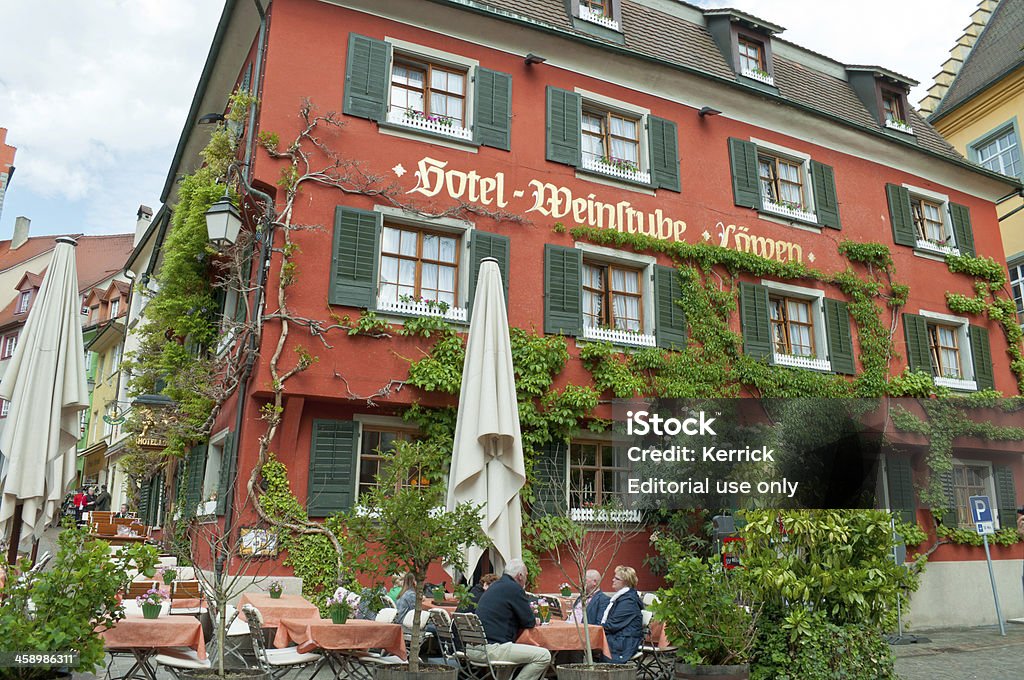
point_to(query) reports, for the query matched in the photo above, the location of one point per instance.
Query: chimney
(142, 220)
(21, 225)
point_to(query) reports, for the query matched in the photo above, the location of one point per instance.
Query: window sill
(957, 384)
(791, 213)
(456, 314)
(601, 515)
(753, 75)
(449, 131)
(593, 17)
(935, 248)
(591, 164)
(618, 337)
(802, 362)
(424, 135)
(899, 127)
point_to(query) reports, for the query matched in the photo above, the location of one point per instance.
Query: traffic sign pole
(981, 513)
(995, 592)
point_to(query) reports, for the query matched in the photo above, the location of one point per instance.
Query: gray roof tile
(998, 50)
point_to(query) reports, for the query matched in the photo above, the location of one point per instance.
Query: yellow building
(977, 103)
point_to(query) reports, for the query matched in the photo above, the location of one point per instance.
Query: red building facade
(522, 122)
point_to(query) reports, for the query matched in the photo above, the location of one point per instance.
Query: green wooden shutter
(145, 499)
(550, 473)
(960, 215)
(981, 354)
(227, 471)
(332, 466)
(195, 470)
(563, 290)
(492, 119)
(484, 244)
(915, 329)
(901, 487)
(247, 78)
(366, 77)
(662, 138)
(757, 332)
(840, 340)
(746, 187)
(949, 503)
(669, 320)
(900, 215)
(1006, 496)
(564, 117)
(354, 262)
(156, 500)
(826, 201)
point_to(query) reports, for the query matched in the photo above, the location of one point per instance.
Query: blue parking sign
(981, 515)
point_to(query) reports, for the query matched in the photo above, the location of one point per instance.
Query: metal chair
(177, 659)
(653, 662)
(186, 590)
(277, 662)
(476, 661)
(555, 607)
(386, 615)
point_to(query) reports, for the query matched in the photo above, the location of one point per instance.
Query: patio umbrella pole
(12, 549)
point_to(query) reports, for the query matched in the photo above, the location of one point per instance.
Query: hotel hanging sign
(434, 177)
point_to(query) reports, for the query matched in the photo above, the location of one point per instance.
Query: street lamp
(223, 222)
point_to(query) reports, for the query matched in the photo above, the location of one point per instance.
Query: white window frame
(947, 222)
(809, 212)
(1016, 271)
(464, 230)
(24, 300)
(373, 422)
(5, 408)
(211, 477)
(821, 361)
(963, 340)
(590, 514)
(8, 340)
(114, 306)
(645, 263)
(228, 327)
(462, 134)
(1009, 127)
(990, 487)
(642, 115)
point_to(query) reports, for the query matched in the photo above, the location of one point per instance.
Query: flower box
(802, 362)
(602, 515)
(437, 124)
(933, 247)
(593, 17)
(758, 76)
(956, 384)
(620, 170)
(422, 308)
(899, 126)
(619, 337)
(795, 213)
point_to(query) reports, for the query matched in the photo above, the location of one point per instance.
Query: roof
(655, 33)
(998, 51)
(97, 258)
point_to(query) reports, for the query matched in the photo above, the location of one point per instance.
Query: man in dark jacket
(103, 499)
(504, 611)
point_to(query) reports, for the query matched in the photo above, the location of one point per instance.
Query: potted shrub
(703, 617)
(168, 574)
(74, 600)
(410, 529)
(565, 589)
(275, 589)
(342, 604)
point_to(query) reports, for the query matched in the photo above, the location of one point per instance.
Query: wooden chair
(137, 588)
(104, 529)
(555, 607)
(127, 521)
(186, 590)
(105, 516)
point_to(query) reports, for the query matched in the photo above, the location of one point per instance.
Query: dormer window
(745, 41)
(894, 111)
(751, 58)
(884, 94)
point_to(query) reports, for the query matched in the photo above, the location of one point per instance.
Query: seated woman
(622, 620)
(476, 591)
(406, 599)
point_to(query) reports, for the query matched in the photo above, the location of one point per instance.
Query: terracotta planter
(601, 671)
(685, 671)
(426, 672)
(151, 611)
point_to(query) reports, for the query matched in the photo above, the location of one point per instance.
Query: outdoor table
(145, 637)
(341, 643)
(448, 605)
(559, 636)
(273, 610)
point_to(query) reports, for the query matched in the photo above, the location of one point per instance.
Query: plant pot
(426, 671)
(151, 611)
(275, 594)
(339, 615)
(169, 579)
(596, 671)
(685, 671)
(566, 592)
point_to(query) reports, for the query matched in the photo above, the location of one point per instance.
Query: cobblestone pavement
(964, 654)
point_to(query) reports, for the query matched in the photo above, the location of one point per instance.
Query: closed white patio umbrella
(45, 385)
(487, 458)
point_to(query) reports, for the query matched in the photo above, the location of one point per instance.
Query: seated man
(504, 611)
(593, 598)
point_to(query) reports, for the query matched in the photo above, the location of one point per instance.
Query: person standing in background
(103, 499)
